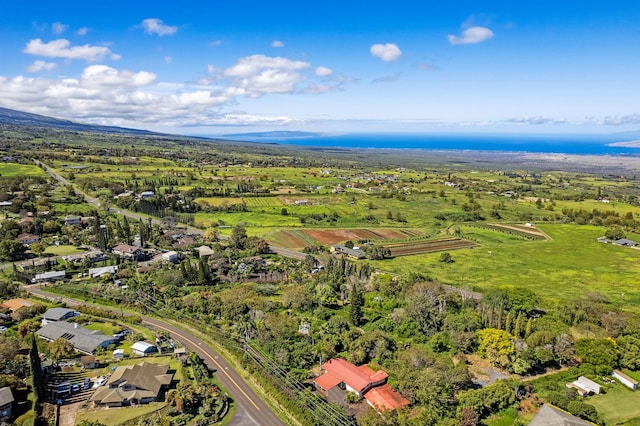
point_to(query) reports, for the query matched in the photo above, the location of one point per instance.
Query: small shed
(89, 362)
(625, 380)
(118, 354)
(142, 348)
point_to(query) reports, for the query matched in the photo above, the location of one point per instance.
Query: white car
(3, 328)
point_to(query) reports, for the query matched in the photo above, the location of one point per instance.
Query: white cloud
(156, 26)
(323, 71)
(388, 52)
(82, 31)
(59, 28)
(215, 43)
(471, 35)
(168, 59)
(38, 66)
(387, 78)
(537, 119)
(277, 43)
(620, 120)
(61, 48)
(258, 75)
(102, 76)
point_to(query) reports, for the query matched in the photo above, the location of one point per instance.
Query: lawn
(619, 405)
(63, 250)
(118, 416)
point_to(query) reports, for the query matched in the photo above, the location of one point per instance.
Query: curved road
(250, 409)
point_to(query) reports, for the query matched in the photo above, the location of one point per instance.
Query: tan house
(134, 384)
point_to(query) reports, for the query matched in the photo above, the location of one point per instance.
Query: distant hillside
(21, 118)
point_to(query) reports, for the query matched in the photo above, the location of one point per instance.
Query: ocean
(561, 144)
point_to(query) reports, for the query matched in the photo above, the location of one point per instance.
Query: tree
(615, 233)
(356, 305)
(497, 346)
(12, 250)
(602, 352)
(36, 370)
(446, 257)
(60, 348)
(239, 237)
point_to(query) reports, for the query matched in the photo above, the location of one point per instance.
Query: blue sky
(216, 67)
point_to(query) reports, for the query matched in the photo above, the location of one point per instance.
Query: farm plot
(332, 236)
(428, 246)
(262, 202)
(522, 231)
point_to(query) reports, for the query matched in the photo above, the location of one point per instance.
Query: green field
(14, 170)
(572, 264)
(618, 406)
(63, 250)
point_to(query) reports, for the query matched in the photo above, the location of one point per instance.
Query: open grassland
(15, 169)
(63, 250)
(619, 405)
(567, 267)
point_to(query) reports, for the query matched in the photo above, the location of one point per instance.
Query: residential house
(135, 384)
(72, 219)
(15, 304)
(353, 253)
(204, 251)
(170, 256)
(625, 380)
(104, 270)
(27, 239)
(89, 362)
(585, 386)
(127, 251)
(142, 348)
(82, 339)
(49, 276)
(58, 314)
(548, 415)
(6, 402)
(341, 376)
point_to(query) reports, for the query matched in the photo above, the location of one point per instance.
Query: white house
(170, 256)
(118, 354)
(104, 270)
(50, 276)
(142, 348)
(625, 380)
(585, 386)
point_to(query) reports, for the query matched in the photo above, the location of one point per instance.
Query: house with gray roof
(134, 384)
(58, 314)
(353, 253)
(549, 415)
(82, 339)
(6, 402)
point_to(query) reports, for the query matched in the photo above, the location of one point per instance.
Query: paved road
(250, 411)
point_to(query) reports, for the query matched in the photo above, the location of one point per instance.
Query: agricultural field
(8, 170)
(412, 248)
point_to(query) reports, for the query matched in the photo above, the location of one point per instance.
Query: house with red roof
(341, 376)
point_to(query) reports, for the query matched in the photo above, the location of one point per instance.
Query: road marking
(210, 357)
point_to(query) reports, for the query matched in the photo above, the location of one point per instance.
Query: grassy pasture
(618, 406)
(15, 169)
(572, 264)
